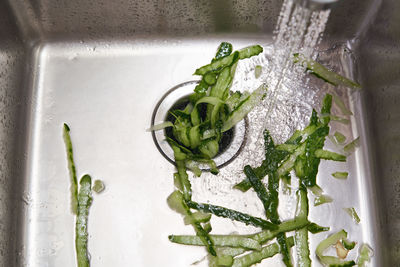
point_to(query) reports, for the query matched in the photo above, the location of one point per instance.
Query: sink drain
(231, 143)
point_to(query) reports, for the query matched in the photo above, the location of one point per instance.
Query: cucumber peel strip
(71, 168)
(340, 175)
(256, 257)
(244, 108)
(160, 126)
(353, 214)
(81, 234)
(365, 255)
(234, 241)
(324, 73)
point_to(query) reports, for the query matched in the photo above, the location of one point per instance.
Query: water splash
(287, 106)
(290, 97)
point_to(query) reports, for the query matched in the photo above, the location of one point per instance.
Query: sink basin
(102, 66)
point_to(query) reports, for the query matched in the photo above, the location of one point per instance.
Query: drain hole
(226, 138)
(177, 98)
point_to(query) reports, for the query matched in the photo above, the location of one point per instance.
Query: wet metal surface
(102, 67)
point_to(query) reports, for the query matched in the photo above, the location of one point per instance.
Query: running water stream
(299, 30)
(286, 107)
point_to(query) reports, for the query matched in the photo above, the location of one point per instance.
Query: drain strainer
(231, 141)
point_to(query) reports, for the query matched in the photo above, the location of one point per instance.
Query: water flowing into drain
(287, 106)
(299, 30)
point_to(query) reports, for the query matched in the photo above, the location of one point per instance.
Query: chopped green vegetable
(273, 156)
(259, 188)
(250, 51)
(316, 190)
(199, 127)
(210, 78)
(229, 251)
(200, 89)
(256, 257)
(289, 163)
(160, 126)
(207, 227)
(184, 180)
(224, 260)
(331, 241)
(349, 245)
(234, 241)
(199, 217)
(340, 119)
(244, 108)
(340, 175)
(284, 249)
(350, 147)
(81, 234)
(270, 203)
(218, 64)
(209, 148)
(72, 169)
(232, 214)
(176, 202)
(336, 262)
(286, 226)
(302, 247)
(270, 198)
(340, 138)
(307, 163)
(229, 60)
(242, 240)
(287, 147)
(301, 235)
(323, 73)
(353, 214)
(329, 155)
(224, 49)
(315, 228)
(192, 166)
(222, 84)
(339, 103)
(257, 71)
(365, 255)
(98, 186)
(326, 108)
(322, 199)
(234, 99)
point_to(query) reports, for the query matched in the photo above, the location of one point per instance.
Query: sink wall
(370, 28)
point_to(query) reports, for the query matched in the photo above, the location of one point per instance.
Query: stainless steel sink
(102, 66)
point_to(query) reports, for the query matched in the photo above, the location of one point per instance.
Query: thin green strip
(234, 241)
(81, 228)
(353, 214)
(301, 235)
(340, 175)
(71, 168)
(232, 214)
(256, 257)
